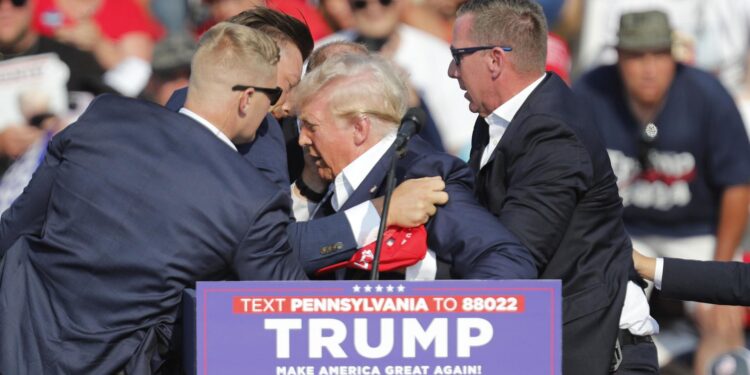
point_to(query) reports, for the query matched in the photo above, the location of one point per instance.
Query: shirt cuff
(658, 272)
(364, 221)
(426, 269)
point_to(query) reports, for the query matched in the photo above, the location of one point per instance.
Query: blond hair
(230, 54)
(365, 85)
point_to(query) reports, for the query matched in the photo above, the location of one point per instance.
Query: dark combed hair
(278, 26)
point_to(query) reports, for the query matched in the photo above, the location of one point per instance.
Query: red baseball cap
(402, 247)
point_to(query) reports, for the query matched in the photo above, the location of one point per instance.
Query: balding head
(336, 48)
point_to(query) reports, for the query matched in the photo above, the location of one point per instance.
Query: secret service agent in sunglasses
(273, 93)
(458, 53)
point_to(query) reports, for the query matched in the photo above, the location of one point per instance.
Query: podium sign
(391, 327)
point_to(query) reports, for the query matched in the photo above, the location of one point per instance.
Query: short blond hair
(228, 52)
(369, 85)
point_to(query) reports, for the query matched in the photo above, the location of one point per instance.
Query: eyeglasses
(458, 53)
(273, 93)
(16, 3)
(362, 4)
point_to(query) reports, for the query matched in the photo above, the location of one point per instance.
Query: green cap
(644, 31)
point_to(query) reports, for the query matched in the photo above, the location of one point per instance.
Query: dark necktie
(328, 206)
(325, 207)
(479, 141)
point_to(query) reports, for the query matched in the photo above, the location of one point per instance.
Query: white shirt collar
(353, 174)
(499, 119)
(504, 114)
(213, 129)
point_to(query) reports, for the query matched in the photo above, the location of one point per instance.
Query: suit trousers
(638, 359)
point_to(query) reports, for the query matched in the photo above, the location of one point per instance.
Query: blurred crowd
(143, 47)
(57, 55)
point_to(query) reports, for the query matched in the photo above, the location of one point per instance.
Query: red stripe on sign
(379, 304)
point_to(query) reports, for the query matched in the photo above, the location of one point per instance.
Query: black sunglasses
(362, 4)
(16, 3)
(273, 93)
(458, 53)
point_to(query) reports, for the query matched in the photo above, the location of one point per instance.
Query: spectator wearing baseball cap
(676, 142)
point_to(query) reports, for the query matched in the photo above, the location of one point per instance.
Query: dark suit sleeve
(465, 234)
(28, 212)
(725, 283)
(265, 253)
(552, 172)
(322, 242)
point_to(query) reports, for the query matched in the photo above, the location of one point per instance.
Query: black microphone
(410, 125)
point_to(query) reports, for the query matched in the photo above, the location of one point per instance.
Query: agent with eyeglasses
(543, 171)
(134, 203)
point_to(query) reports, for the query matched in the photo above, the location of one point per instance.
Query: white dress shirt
(658, 273)
(635, 315)
(499, 119)
(364, 218)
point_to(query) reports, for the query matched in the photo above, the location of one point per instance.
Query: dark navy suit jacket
(725, 283)
(462, 233)
(549, 180)
(268, 153)
(132, 204)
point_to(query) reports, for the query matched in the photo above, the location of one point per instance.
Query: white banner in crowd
(44, 74)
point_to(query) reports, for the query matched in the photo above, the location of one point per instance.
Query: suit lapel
(372, 185)
(479, 141)
(491, 180)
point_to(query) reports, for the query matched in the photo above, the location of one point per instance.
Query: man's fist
(414, 201)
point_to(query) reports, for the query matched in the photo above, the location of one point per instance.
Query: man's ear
(362, 128)
(243, 105)
(496, 61)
